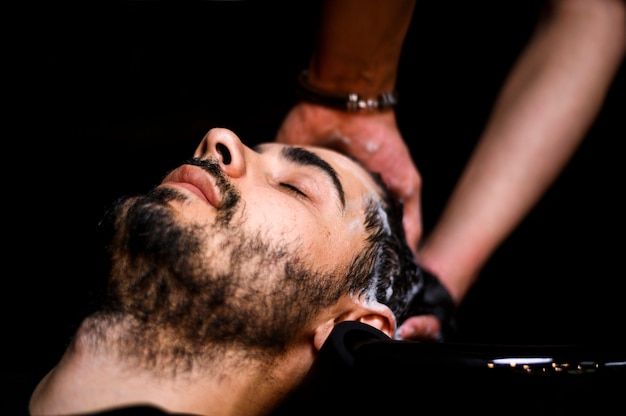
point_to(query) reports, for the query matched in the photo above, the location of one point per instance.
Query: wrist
(346, 101)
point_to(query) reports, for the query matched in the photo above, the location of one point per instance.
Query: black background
(104, 98)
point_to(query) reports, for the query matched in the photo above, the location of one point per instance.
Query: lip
(195, 180)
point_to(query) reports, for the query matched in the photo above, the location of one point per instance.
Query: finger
(412, 221)
(423, 327)
(408, 192)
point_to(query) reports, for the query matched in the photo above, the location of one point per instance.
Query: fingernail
(406, 332)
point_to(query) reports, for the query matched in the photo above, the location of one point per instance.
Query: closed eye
(293, 189)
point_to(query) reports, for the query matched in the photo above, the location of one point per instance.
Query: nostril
(224, 152)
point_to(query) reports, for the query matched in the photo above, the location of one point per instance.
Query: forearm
(359, 45)
(546, 107)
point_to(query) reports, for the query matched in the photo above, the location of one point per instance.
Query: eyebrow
(305, 157)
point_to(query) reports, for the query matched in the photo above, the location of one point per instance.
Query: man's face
(241, 245)
(310, 199)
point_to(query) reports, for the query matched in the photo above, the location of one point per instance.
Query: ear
(371, 313)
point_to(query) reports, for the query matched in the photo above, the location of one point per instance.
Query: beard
(207, 284)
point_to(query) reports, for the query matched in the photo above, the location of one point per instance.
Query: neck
(98, 378)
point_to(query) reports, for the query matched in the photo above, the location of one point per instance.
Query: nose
(227, 148)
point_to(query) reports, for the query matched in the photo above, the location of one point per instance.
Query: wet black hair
(387, 270)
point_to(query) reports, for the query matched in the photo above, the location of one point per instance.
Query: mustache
(212, 166)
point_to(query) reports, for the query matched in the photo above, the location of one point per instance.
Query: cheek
(282, 221)
(317, 239)
(338, 243)
(339, 238)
